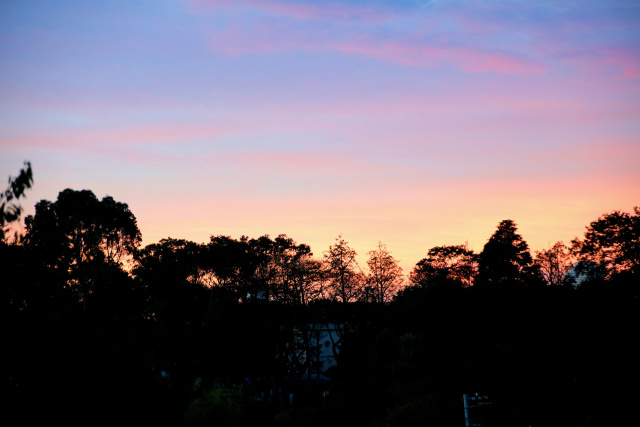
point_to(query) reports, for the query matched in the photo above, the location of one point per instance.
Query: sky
(413, 123)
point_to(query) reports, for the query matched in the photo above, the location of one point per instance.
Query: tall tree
(295, 277)
(169, 261)
(239, 266)
(78, 231)
(171, 275)
(445, 264)
(385, 275)
(555, 264)
(14, 285)
(505, 258)
(344, 282)
(611, 244)
(305, 280)
(81, 228)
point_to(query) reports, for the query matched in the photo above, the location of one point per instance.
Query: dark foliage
(505, 259)
(10, 207)
(202, 334)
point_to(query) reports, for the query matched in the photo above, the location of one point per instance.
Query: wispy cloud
(94, 138)
(472, 37)
(407, 51)
(300, 10)
(380, 119)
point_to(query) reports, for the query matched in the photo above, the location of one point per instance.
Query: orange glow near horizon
(416, 126)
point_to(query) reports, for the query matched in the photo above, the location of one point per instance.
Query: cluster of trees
(609, 248)
(78, 236)
(96, 325)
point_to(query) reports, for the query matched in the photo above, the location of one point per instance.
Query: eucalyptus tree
(74, 235)
(446, 264)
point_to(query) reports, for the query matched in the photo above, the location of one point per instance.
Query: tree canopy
(556, 264)
(200, 332)
(505, 258)
(78, 227)
(75, 234)
(611, 245)
(385, 275)
(456, 264)
(344, 280)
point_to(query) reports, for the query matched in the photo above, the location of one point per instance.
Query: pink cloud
(266, 39)
(618, 62)
(573, 43)
(472, 60)
(623, 63)
(297, 10)
(409, 50)
(472, 54)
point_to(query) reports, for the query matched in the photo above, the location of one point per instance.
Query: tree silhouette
(169, 261)
(263, 269)
(611, 245)
(14, 292)
(10, 208)
(445, 264)
(227, 259)
(296, 276)
(240, 266)
(225, 323)
(505, 258)
(385, 275)
(344, 283)
(555, 264)
(78, 232)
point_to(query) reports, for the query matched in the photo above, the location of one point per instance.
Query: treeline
(98, 328)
